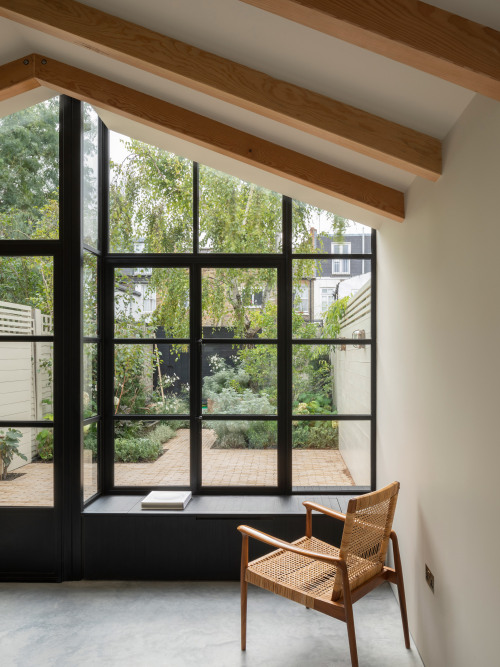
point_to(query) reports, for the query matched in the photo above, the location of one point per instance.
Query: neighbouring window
(341, 265)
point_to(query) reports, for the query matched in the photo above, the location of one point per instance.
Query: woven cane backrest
(366, 534)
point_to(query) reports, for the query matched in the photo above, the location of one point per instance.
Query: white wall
(439, 397)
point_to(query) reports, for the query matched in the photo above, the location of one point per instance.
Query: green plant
(316, 435)
(45, 439)
(133, 450)
(9, 447)
(161, 434)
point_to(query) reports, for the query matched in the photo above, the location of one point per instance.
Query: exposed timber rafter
(205, 132)
(414, 33)
(250, 89)
(17, 77)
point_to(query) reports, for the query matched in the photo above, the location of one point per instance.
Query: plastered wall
(439, 393)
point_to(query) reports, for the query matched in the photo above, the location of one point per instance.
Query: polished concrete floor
(175, 624)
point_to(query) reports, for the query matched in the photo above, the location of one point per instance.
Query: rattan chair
(323, 577)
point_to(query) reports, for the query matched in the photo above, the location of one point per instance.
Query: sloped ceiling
(284, 50)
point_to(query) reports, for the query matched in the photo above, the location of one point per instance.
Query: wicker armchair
(323, 577)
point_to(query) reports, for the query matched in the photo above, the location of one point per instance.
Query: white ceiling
(285, 50)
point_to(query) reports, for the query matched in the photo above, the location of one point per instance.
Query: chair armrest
(280, 544)
(324, 510)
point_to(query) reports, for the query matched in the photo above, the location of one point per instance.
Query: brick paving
(221, 467)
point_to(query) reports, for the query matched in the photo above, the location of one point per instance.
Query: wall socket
(429, 577)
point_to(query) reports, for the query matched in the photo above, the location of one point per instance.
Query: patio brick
(221, 467)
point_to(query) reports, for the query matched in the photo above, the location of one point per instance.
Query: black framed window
(235, 358)
(30, 321)
(186, 329)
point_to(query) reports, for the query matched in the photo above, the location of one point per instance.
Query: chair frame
(341, 610)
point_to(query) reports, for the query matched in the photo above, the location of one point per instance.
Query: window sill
(220, 506)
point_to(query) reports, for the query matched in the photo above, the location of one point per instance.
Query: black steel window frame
(67, 252)
(97, 252)
(195, 262)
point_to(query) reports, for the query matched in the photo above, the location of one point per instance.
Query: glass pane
(239, 379)
(25, 380)
(90, 324)
(90, 449)
(327, 306)
(239, 302)
(152, 302)
(331, 453)
(90, 380)
(322, 232)
(90, 175)
(152, 453)
(150, 198)
(236, 216)
(331, 379)
(29, 162)
(26, 296)
(26, 468)
(151, 379)
(239, 453)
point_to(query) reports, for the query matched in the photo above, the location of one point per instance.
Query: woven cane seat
(300, 578)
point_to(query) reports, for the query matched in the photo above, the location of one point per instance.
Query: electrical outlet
(429, 577)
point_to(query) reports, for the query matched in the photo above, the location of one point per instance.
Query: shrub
(161, 434)
(45, 446)
(323, 435)
(262, 435)
(225, 378)
(133, 450)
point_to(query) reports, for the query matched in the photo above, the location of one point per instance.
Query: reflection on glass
(90, 450)
(26, 380)
(152, 379)
(239, 379)
(90, 175)
(238, 217)
(152, 453)
(330, 453)
(90, 294)
(152, 302)
(26, 296)
(325, 306)
(321, 232)
(239, 302)
(29, 153)
(26, 467)
(90, 380)
(150, 198)
(331, 379)
(239, 453)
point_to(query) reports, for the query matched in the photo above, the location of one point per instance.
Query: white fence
(352, 386)
(25, 372)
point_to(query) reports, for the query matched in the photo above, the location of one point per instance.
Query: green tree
(29, 165)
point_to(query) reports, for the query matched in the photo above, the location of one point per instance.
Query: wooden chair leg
(349, 618)
(351, 633)
(401, 588)
(244, 590)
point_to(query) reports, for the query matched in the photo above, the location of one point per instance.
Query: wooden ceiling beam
(231, 82)
(17, 77)
(413, 33)
(220, 138)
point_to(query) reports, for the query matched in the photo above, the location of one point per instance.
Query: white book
(166, 500)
